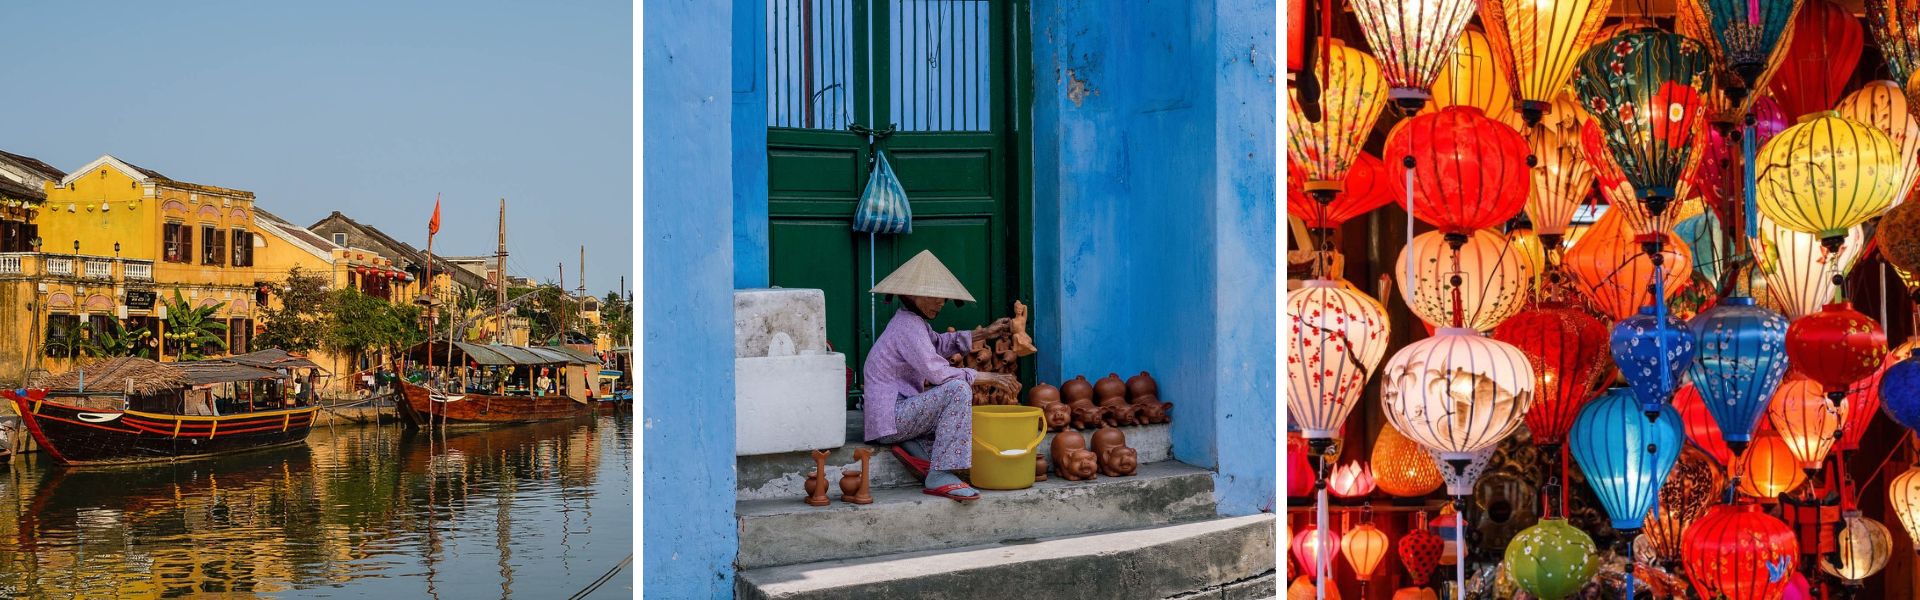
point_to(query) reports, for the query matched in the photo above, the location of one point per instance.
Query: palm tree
(192, 328)
(115, 340)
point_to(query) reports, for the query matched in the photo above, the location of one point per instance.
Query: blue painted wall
(1154, 202)
(689, 536)
(750, 241)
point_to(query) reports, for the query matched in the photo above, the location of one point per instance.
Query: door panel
(818, 253)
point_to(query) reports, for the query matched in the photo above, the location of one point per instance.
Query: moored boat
(496, 384)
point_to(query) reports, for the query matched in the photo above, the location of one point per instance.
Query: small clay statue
(1152, 412)
(1022, 343)
(1039, 467)
(1142, 385)
(1116, 412)
(1108, 437)
(1086, 415)
(1077, 389)
(1071, 460)
(1042, 393)
(1058, 415)
(1119, 461)
(817, 482)
(1110, 387)
(855, 485)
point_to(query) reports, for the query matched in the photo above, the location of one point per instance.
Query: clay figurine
(1119, 461)
(1110, 387)
(854, 485)
(1022, 343)
(1039, 467)
(1071, 460)
(1108, 437)
(1142, 385)
(1042, 393)
(1077, 389)
(1058, 415)
(817, 482)
(1152, 412)
(1116, 412)
(1086, 415)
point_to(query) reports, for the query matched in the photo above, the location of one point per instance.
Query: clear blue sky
(369, 108)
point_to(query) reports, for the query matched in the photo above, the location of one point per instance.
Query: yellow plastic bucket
(1003, 441)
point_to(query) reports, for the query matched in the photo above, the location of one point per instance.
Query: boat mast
(500, 280)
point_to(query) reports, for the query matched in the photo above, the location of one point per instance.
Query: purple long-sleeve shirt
(907, 359)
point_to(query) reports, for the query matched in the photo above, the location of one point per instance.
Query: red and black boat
(498, 384)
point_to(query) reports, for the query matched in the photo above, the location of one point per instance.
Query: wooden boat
(492, 384)
(143, 410)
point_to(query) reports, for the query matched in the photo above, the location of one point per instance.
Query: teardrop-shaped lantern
(1568, 349)
(1653, 355)
(1365, 546)
(1883, 105)
(1307, 548)
(1895, 25)
(1826, 45)
(1561, 178)
(1740, 359)
(1538, 41)
(1352, 95)
(1899, 236)
(1737, 552)
(1769, 468)
(1900, 392)
(1647, 88)
(1401, 467)
(1487, 276)
(1457, 393)
(1368, 185)
(1903, 492)
(1420, 551)
(1864, 397)
(1336, 339)
(1708, 242)
(1625, 455)
(1865, 546)
(1693, 485)
(1413, 39)
(1470, 172)
(1825, 175)
(1836, 347)
(1615, 188)
(1751, 34)
(1551, 560)
(1806, 421)
(1611, 271)
(1702, 431)
(1798, 271)
(1472, 77)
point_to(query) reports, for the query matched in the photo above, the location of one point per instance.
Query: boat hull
(418, 408)
(75, 435)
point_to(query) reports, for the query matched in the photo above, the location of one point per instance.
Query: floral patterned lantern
(1551, 560)
(1805, 420)
(1469, 171)
(1693, 484)
(1741, 359)
(1883, 105)
(1737, 552)
(1836, 347)
(1568, 349)
(1797, 271)
(1653, 352)
(1336, 339)
(1611, 272)
(1351, 98)
(1457, 392)
(1625, 454)
(1865, 547)
(1401, 467)
(1895, 25)
(1560, 176)
(1646, 89)
(1485, 277)
(1826, 45)
(1750, 35)
(1826, 175)
(1414, 38)
(1899, 237)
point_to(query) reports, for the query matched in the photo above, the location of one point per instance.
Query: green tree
(358, 323)
(298, 321)
(193, 330)
(115, 340)
(617, 315)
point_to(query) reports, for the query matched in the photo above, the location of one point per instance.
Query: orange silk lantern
(1611, 270)
(1351, 98)
(1365, 547)
(1485, 275)
(1561, 177)
(1805, 420)
(1368, 185)
(1769, 467)
(1401, 467)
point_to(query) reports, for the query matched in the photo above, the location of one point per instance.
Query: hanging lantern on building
(1568, 350)
(1883, 105)
(1751, 36)
(1560, 176)
(1307, 545)
(1865, 547)
(1692, 485)
(1806, 421)
(1646, 89)
(1414, 39)
(1351, 479)
(1365, 547)
(1352, 94)
(1903, 494)
(1486, 276)
(1826, 175)
(1653, 352)
(1457, 393)
(1537, 42)
(1702, 431)
(1826, 45)
(1769, 468)
(1551, 560)
(1336, 339)
(1836, 347)
(1895, 25)
(1472, 77)
(1740, 360)
(1470, 172)
(1900, 392)
(1798, 271)
(1401, 467)
(1420, 550)
(1368, 185)
(1611, 271)
(1737, 552)
(1625, 455)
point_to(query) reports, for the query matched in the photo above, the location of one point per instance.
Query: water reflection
(540, 510)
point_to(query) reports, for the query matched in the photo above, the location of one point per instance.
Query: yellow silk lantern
(1473, 77)
(1495, 280)
(1352, 94)
(1611, 271)
(1865, 546)
(1401, 467)
(1883, 105)
(1365, 546)
(1769, 467)
(1798, 271)
(1302, 589)
(1562, 177)
(1413, 39)
(1538, 42)
(1807, 422)
(1531, 250)
(1904, 494)
(1825, 175)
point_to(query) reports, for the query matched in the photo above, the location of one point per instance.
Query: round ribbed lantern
(1538, 41)
(1611, 271)
(1653, 352)
(1741, 357)
(1825, 47)
(1836, 347)
(1551, 560)
(1568, 349)
(1625, 455)
(1457, 392)
(1487, 277)
(1865, 547)
(1806, 421)
(1903, 492)
(1737, 552)
(1472, 77)
(1750, 35)
(1702, 431)
(1647, 90)
(1401, 467)
(1336, 337)
(1692, 485)
(1368, 185)
(1769, 468)
(1414, 39)
(1561, 178)
(1798, 271)
(1883, 105)
(1470, 172)
(1352, 94)
(1825, 175)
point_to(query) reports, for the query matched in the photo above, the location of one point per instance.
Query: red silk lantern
(1568, 348)
(1702, 430)
(1836, 347)
(1299, 469)
(1420, 551)
(1826, 45)
(1611, 271)
(1864, 397)
(1737, 552)
(1296, 34)
(1470, 172)
(1368, 185)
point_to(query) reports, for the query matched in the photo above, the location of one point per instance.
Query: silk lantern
(1551, 560)
(1646, 88)
(1303, 588)
(1895, 25)
(1740, 359)
(1472, 77)
(1798, 271)
(1692, 485)
(1420, 550)
(1336, 339)
(1538, 42)
(1470, 172)
(1702, 431)
(1568, 350)
(1768, 468)
(1365, 546)
(1826, 45)
(1561, 178)
(1625, 455)
(1401, 467)
(1299, 471)
(1368, 185)
(1864, 397)
(1899, 237)
(1307, 546)
(1614, 187)
(1611, 272)
(1457, 392)
(1413, 39)
(1750, 33)
(1865, 546)
(1737, 552)
(1806, 421)
(1836, 347)
(1707, 241)
(1525, 243)
(1351, 479)
(1352, 94)
(1653, 352)
(1883, 105)
(1825, 175)
(1900, 392)
(1461, 478)
(1486, 276)
(1903, 493)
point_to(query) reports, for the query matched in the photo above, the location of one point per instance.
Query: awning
(272, 358)
(218, 371)
(499, 355)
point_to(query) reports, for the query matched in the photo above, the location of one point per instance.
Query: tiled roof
(412, 254)
(40, 166)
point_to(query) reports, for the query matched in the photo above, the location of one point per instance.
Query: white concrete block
(790, 403)
(779, 322)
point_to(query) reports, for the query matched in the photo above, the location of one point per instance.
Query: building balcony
(98, 268)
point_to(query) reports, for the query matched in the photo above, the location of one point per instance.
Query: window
(178, 246)
(63, 335)
(238, 333)
(213, 246)
(340, 239)
(242, 248)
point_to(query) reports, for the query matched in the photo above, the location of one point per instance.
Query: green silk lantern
(1551, 560)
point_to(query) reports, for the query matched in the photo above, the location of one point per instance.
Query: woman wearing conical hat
(914, 399)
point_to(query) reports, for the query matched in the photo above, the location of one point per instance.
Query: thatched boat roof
(137, 376)
(272, 358)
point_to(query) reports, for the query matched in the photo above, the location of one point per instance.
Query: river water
(360, 511)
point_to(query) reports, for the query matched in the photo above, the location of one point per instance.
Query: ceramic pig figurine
(1086, 415)
(1152, 412)
(1042, 393)
(1071, 460)
(1107, 437)
(1109, 387)
(1116, 412)
(1076, 390)
(1058, 415)
(1141, 385)
(1119, 461)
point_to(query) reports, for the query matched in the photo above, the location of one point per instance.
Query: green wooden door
(934, 75)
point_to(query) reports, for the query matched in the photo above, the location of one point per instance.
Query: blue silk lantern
(1900, 392)
(1742, 356)
(1749, 33)
(1653, 353)
(1625, 455)
(1704, 237)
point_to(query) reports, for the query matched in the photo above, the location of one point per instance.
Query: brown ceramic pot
(1142, 385)
(1077, 389)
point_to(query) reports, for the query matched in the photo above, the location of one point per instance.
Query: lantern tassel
(1320, 566)
(1460, 545)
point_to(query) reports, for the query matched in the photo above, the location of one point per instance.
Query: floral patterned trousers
(943, 418)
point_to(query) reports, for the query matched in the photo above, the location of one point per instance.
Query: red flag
(433, 226)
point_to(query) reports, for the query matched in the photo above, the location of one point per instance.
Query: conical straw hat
(923, 276)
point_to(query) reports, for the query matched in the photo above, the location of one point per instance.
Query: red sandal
(946, 491)
(919, 466)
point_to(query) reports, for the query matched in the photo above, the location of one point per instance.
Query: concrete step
(1203, 559)
(787, 531)
(783, 476)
